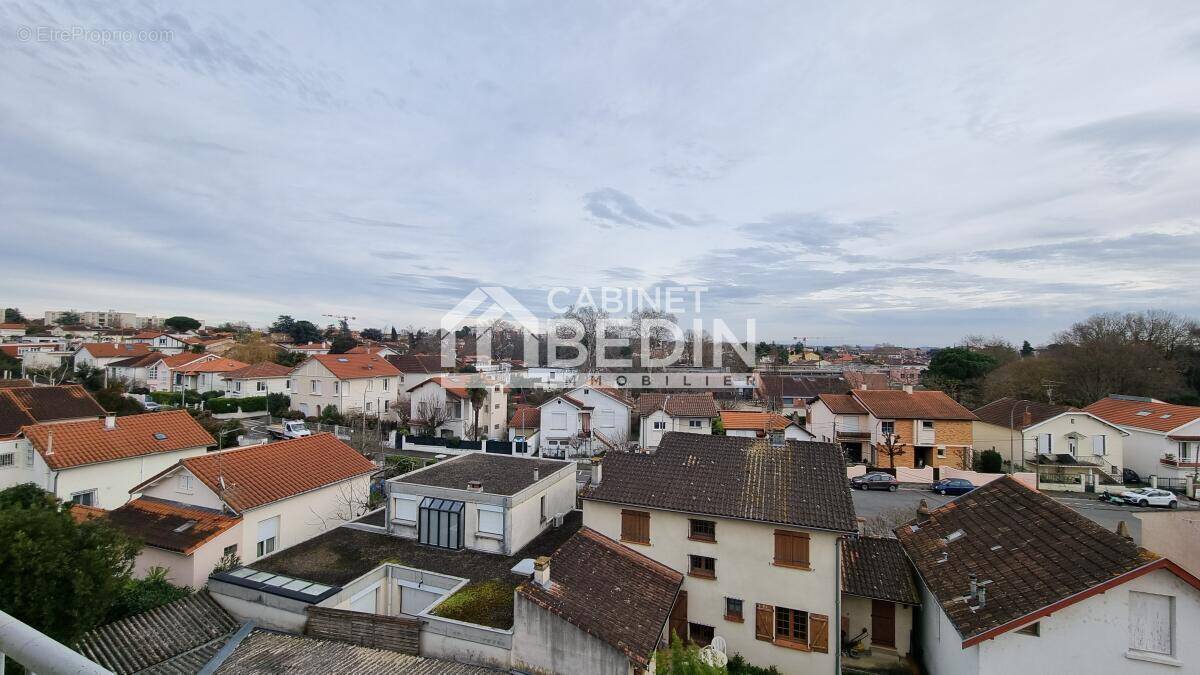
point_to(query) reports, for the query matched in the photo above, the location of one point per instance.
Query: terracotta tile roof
(800, 483)
(1142, 414)
(88, 442)
(801, 386)
(842, 404)
(356, 366)
(10, 384)
(919, 405)
(756, 421)
(109, 350)
(858, 379)
(447, 383)
(164, 524)
(309, 346)
(609, 591)
(875, 567)
(1009, 412)
(678, 405)
(255, 371)
(217, 365)
(574, 401)
(1030, 551)
(417, 363)
(148, 334)
(21, 406)
(137, 361)
(177, 361)
(12, 326)
(260, 474)
(500, 474)
(81, 513)
(526, 417)
(612, 392)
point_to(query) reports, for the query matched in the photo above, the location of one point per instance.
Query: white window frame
(386, 383)
(260, 385)
(660, 425)
(493, 511)
(185, 483)
(91, 497)
(1099, 445)
(8, 460)
(1141, 639)
(337, 387)
(404, 506)
(29, 456)
(315, 387)
(695, 424)
(237, 386)
(266, 545)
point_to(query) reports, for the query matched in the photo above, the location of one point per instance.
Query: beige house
(659, 414)
(442, 406)
(879, 596)
(258, 379)
(756, 527)
(249, 502)
(351, 383)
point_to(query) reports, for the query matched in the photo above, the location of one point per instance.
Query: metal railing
(40, 653)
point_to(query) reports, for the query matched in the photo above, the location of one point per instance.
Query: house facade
(879, 596)
(416, 368)
(762, 562)
(758, 424)
(659, 414)
(100, 354)
(442, 406)
(1163, 440)
(351, 383)
(897, 426)
(258, 379)
(583, 421)
(160, 341)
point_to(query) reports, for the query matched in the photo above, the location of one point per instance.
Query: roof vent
(475, 485)
(342, 359)
(955, 536)
(160, 436)
(185, 527)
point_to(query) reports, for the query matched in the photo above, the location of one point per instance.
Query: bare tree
(891, 447)
(431, 413)
(352, 501)
(403, 410)
(885, 522)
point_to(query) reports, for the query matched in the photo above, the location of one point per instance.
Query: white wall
(249, 387)
(111, 480)
(376, 393)
(649, 437)
(301, 517)
(1142, 451)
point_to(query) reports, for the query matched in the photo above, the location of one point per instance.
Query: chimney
(475, 485)
(981, 597)
(974, 586)
(541, 571)
(862, 525)
(923, 511)
(863, 386)
(1026, 419)
(110, 422)
(597, 474)
(908, 388)
(536, 475)
(1123, 530)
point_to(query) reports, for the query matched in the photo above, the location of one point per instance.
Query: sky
(845, 171)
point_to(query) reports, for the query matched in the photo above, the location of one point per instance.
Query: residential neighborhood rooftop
(1143, 413)
(169, 525)
(108, 350)
(526, 417)
(842, 404)
(757, 421)
(901, 404)
(9, 384)
(610, 591)
(266, 369)
(269, 652)
(356, 366)
(21, 406)
(1011, 412)
(678, 405)
(219, 364)
(499, 474)
(417, 363)
(876, 568)
(91, 441)
(798, 483)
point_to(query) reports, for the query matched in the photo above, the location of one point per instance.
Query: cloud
(613, 207)
(814, 232)
(1158, 128)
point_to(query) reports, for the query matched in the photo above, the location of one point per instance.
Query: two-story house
(208, 375)
(100, 354)
(258, 379)
(756, 527)
(165, 373)
(416, 368)
(899, 427)
(659, 414)
(1060, 441)
(840, 419)
(756, 424)
(160, 341)
(583, 421)
(442, 406)
(21, 405)
(351, 383)
(1164, 439)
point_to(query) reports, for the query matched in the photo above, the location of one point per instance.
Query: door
(678, 622)
(883, 623)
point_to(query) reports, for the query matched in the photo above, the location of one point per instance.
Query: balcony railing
(1169, 459)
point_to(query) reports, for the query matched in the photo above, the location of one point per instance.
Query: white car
(1150, 497)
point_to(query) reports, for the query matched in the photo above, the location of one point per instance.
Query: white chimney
(596, 471)
(536, 475)
(974, 586)
(863, 386)
(908, 388)
(541, 571)
(862, 525)
(110, 422)
(475, 485)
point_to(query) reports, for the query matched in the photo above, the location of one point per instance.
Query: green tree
(1027, 350)
(59, 576)
(342, 344)
(477, 395)
(305, 331)
(181, 324)
(284, 324)
(13, 315)
(960, 364)
(990, 461)
(69, 318)
(718, 427)
(143, 595)
(287, 358)
(372, 334)
(682, 660)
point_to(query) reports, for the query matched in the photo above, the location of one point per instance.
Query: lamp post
(221, 436)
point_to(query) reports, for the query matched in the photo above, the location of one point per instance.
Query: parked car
(1150, 497)
(875, 481)
(952, 486)
(289, 429)
(1130, 477)
(151, 406)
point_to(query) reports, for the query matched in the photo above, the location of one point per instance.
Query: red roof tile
(918, 405)
(178, 361)
(526, 417)
(842, 404)
(89, 442)
(263, 370)
(260, 474)
(110, 350)
(356, 366)
(678, 405)
(217, 365)
(756, 421)
(1142, 414)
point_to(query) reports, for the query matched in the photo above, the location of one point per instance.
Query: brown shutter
(800, 552)
(818, 633)
(791, 548)
(764, 622)
(678, 622)
(635, 526)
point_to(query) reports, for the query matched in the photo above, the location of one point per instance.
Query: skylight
(160, 436)
(186, 526)
(955, 536)
(1143, 413)
(1165, 417)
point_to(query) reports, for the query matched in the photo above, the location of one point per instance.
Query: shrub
(990, 461)
(294, 415)
(172, 397)
(738, 666)
(221, 406)
(278, 404)
(143, 595)
(208, 395)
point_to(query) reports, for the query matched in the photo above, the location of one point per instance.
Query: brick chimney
(541, 571)
(1026, 419)
(475, 485)
(596, 471)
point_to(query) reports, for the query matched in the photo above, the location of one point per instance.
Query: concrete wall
(189, 570)
(111, 480)
(858, 611)
(941, 645)
(744, 570)
(544, 642)
(1172, 534)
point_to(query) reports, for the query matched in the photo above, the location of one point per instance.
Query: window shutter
(1098, 445)
(791, 548)
(635, 526)
(764, 622)
(818, 633)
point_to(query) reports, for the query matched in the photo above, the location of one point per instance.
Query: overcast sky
(903, 172)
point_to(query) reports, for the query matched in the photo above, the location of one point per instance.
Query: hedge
(172, 397)
(231, 405)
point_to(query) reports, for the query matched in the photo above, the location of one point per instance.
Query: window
(542, 508)
(404, 507)
(1045, 444)
(287, 384)
(927, 425)
(316, 387)
(8, 459)
(1151, 622)
(29, 456)
(440, 523)
(237, 385)
(733, 610)
(491, 520)
(660, 425)
(791, 549)
(559, 420)
(370, 385)
(337, 386)
(85, 498)
(258, 386)
(635, 526)
(368, 406)
(184, 484)
(1034, 629)
(1098, 445)
(941, 452)
(268, 536)
(386, 384)
(702, 530)
(887, 427)
(702, 566)
(230, 550)
(701, 634)
(791, 625)
(695, 424)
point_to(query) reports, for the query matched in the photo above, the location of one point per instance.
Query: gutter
(718, 515)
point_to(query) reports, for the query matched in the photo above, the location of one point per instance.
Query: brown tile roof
(177, 361)
(217, 365)
(800, 483)
(858, 379)
(1009, 412)
(875, 567)
(260, 474)
(610, 591)
(80, 443)
(50, 404)
(81, 513)
(920, 405)
(9, 384)
(309, 346)
(1127, 412)
(526, 417)
(12, 326)
(417, 363)
(842, 404)
(756, 421)
(1030, 550)
(575, 402)
(356, 366)
(612, 392)
(137, 361)
(263, 370)
(776, 385)
(678, 405)
(148, 334)
(109, 350)
(500, 474)
(164, 524)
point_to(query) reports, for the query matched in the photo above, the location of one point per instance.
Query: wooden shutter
(764, 622)
(678, 621)
(635, 526)
(791, 548)
(818, 633)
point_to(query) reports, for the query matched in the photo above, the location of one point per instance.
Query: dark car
(875, 481)
(952, 486)
(1130, 477)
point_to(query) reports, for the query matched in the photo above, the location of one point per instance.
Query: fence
(367, 630)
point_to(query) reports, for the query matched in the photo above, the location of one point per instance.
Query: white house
(22, 406)
(1011, 581)
(659, 414)
(12, 330)
(100, 354)
(442, 406)
(96, 462)
(754, 424)
(584, 420)
(163, 342)
(208, 374)
(351, 383)
(416, 368)
(133, 370)
(1164, 439)
(480, 501)
(256, 506)
(258, 379)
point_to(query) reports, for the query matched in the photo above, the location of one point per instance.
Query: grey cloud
(1135, 250)
(813, 231)
(613, 207)
(1159, 128)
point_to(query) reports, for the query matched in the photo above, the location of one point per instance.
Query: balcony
(1169, 459)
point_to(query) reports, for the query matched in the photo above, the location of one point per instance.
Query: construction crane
(342, 319)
